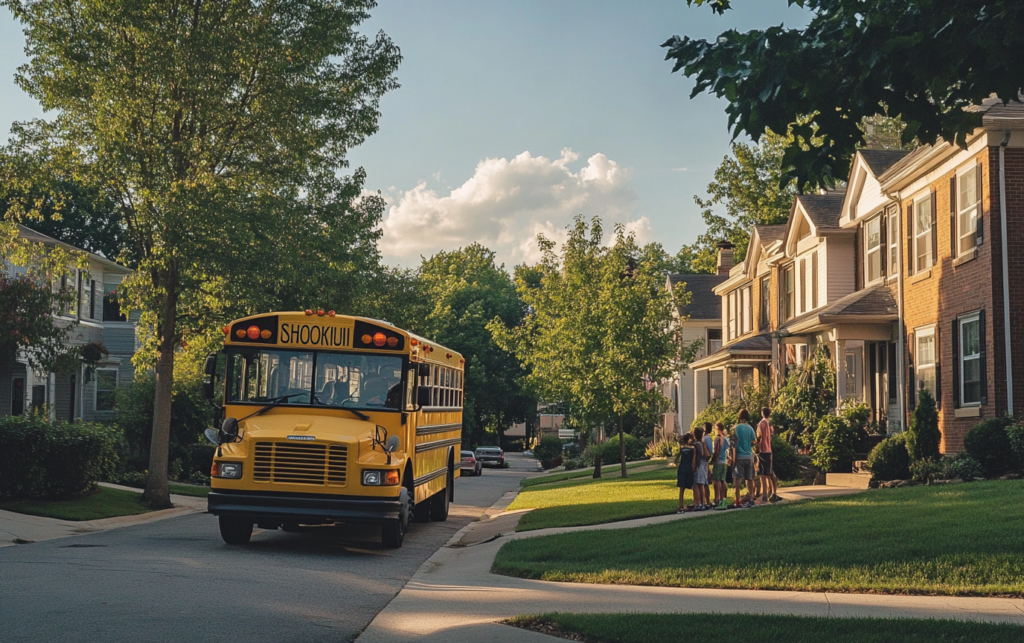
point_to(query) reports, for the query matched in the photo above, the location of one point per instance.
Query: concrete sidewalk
(18, 528)
(454, 597)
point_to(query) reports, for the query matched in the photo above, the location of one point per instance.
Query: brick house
(907, 277)
(87, 393)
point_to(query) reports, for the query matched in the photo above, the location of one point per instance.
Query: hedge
(989, 444)
(59, 460)
(890, 460)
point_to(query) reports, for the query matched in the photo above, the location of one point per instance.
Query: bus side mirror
(210, 370)
(229, 430)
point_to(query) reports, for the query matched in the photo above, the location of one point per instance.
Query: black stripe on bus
(437, 428)
(430, 476)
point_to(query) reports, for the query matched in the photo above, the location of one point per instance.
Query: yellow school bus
(329, 418)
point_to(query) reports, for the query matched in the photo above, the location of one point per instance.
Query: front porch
(729, 370)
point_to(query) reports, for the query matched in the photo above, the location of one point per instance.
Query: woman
(701, 474)
(684, 468)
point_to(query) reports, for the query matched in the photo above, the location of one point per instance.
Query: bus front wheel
(392, 532)
(235, 531)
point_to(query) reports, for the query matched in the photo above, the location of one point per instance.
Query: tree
(927, 62)
(597, 333)
(219, 130)
(466, 291)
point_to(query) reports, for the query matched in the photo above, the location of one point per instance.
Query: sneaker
(749, 504)
(680, 510)
(775, 498)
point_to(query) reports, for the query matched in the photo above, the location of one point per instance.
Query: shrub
(922, 470)
(589, 454)
(785, 461)
(200, 457)
(889, 459)
(661, 449)
(59, 460)
(549, 447)
(963, 466)
(610, 453)
(716, 412)
(989, 444)
(135, 479)
(808, 396)
(923, 437)
(198, 478)
(1015, 434)
(191, 414)
(833, 445)
(571, 464)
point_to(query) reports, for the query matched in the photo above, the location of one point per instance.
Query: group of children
(742, 456)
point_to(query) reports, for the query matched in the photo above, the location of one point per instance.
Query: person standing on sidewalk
(701, 475)
(766, 470)
(719, 459)
(684, 469)
(743, 469)
(709, 450)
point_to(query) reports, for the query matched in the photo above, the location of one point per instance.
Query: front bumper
(301, 507)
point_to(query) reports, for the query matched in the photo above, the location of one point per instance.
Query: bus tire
(235, 531)
(439, 502)
(392, 532)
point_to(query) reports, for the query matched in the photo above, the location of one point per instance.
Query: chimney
(724, 257)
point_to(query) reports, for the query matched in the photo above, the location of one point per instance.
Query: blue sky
(515, 115)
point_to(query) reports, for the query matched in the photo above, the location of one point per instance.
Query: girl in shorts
(701, 474)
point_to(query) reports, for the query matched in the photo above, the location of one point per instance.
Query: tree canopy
(219, 130)
(928, 62)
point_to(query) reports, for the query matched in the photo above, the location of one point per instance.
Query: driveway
(175, 580)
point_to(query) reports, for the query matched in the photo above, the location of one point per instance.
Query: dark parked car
(470, 463)
(491, 456)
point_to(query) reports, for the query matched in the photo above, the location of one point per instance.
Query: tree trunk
(157, 494)
(622, 447)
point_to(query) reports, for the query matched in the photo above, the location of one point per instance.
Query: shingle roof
(704, 304)
(756, 343)
(874, 301)
(881, 160)
(824, 209)
(770, 233)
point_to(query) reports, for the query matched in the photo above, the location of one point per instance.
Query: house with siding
(89, 392)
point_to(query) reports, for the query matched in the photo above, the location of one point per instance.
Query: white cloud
(506, 203)
(680, 169)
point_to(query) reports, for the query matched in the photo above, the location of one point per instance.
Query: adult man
(765, 472)
(743, 468)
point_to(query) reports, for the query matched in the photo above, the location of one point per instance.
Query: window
(730, 326)
(111, 308)
(788, 300)
(923, 257)
(970, 360)
(803, 285)
(71, 290)
(873, 250)
(715, 385)
(765, 298)
(968, 203)
(893, 229)
(925, 369)
(814, 279)
(714, 340)
(106, 388)
(18, 396)
(747, 312)
(442, 387)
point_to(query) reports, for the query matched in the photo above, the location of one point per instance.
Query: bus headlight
(378, 478)
(229, 470)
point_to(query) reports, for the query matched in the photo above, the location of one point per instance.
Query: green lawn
(189, 490)
(103, 503)
(591, 502)
(607, 471)
(755, 628)
(953, 540)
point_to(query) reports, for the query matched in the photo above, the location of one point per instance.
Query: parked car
(470, 463)
(491, 456)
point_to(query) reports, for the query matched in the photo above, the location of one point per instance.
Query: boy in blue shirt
(743, 467)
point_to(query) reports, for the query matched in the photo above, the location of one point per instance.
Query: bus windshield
(315, 378)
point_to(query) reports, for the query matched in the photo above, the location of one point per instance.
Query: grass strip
(754, 628)
(607, 470)
(946, 540)
(102, 503)
(189, 490)
(591, 502)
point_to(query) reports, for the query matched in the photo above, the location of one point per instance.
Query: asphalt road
(175, 580)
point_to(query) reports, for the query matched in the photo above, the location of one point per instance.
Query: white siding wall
(695, 329)
(840, 269)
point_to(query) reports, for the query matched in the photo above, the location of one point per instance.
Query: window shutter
(883, 245)
(911, 374)
(983, 345)
(912, 258)
(980, 235)
(955, 350)
(954, 236)
(935, 231)
(937, 393)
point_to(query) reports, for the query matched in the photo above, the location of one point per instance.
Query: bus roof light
(414, 341)
(240, 333)
(225, 330)
(392, 341)
(367, 338)
(320, 311)
(331, 313)
(265, 334)
(309, 312)
(379, 339)
(253, 332)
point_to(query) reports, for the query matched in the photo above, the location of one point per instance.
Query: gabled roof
(822, 211)
(756, 349)
(878, 161)
(769, 234)
(38, 237)
(704, 303)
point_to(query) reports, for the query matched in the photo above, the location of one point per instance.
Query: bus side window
(410, 386)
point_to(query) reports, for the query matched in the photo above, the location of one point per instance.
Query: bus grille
(297, 463)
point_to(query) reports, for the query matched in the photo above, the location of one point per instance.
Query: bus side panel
(437, 435)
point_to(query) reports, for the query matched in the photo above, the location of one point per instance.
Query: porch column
(696, 394)
(840, 361)
(679, 400)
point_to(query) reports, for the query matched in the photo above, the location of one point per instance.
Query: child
(719, 461)
(709, 451)
(684, 468)
(701, 475)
